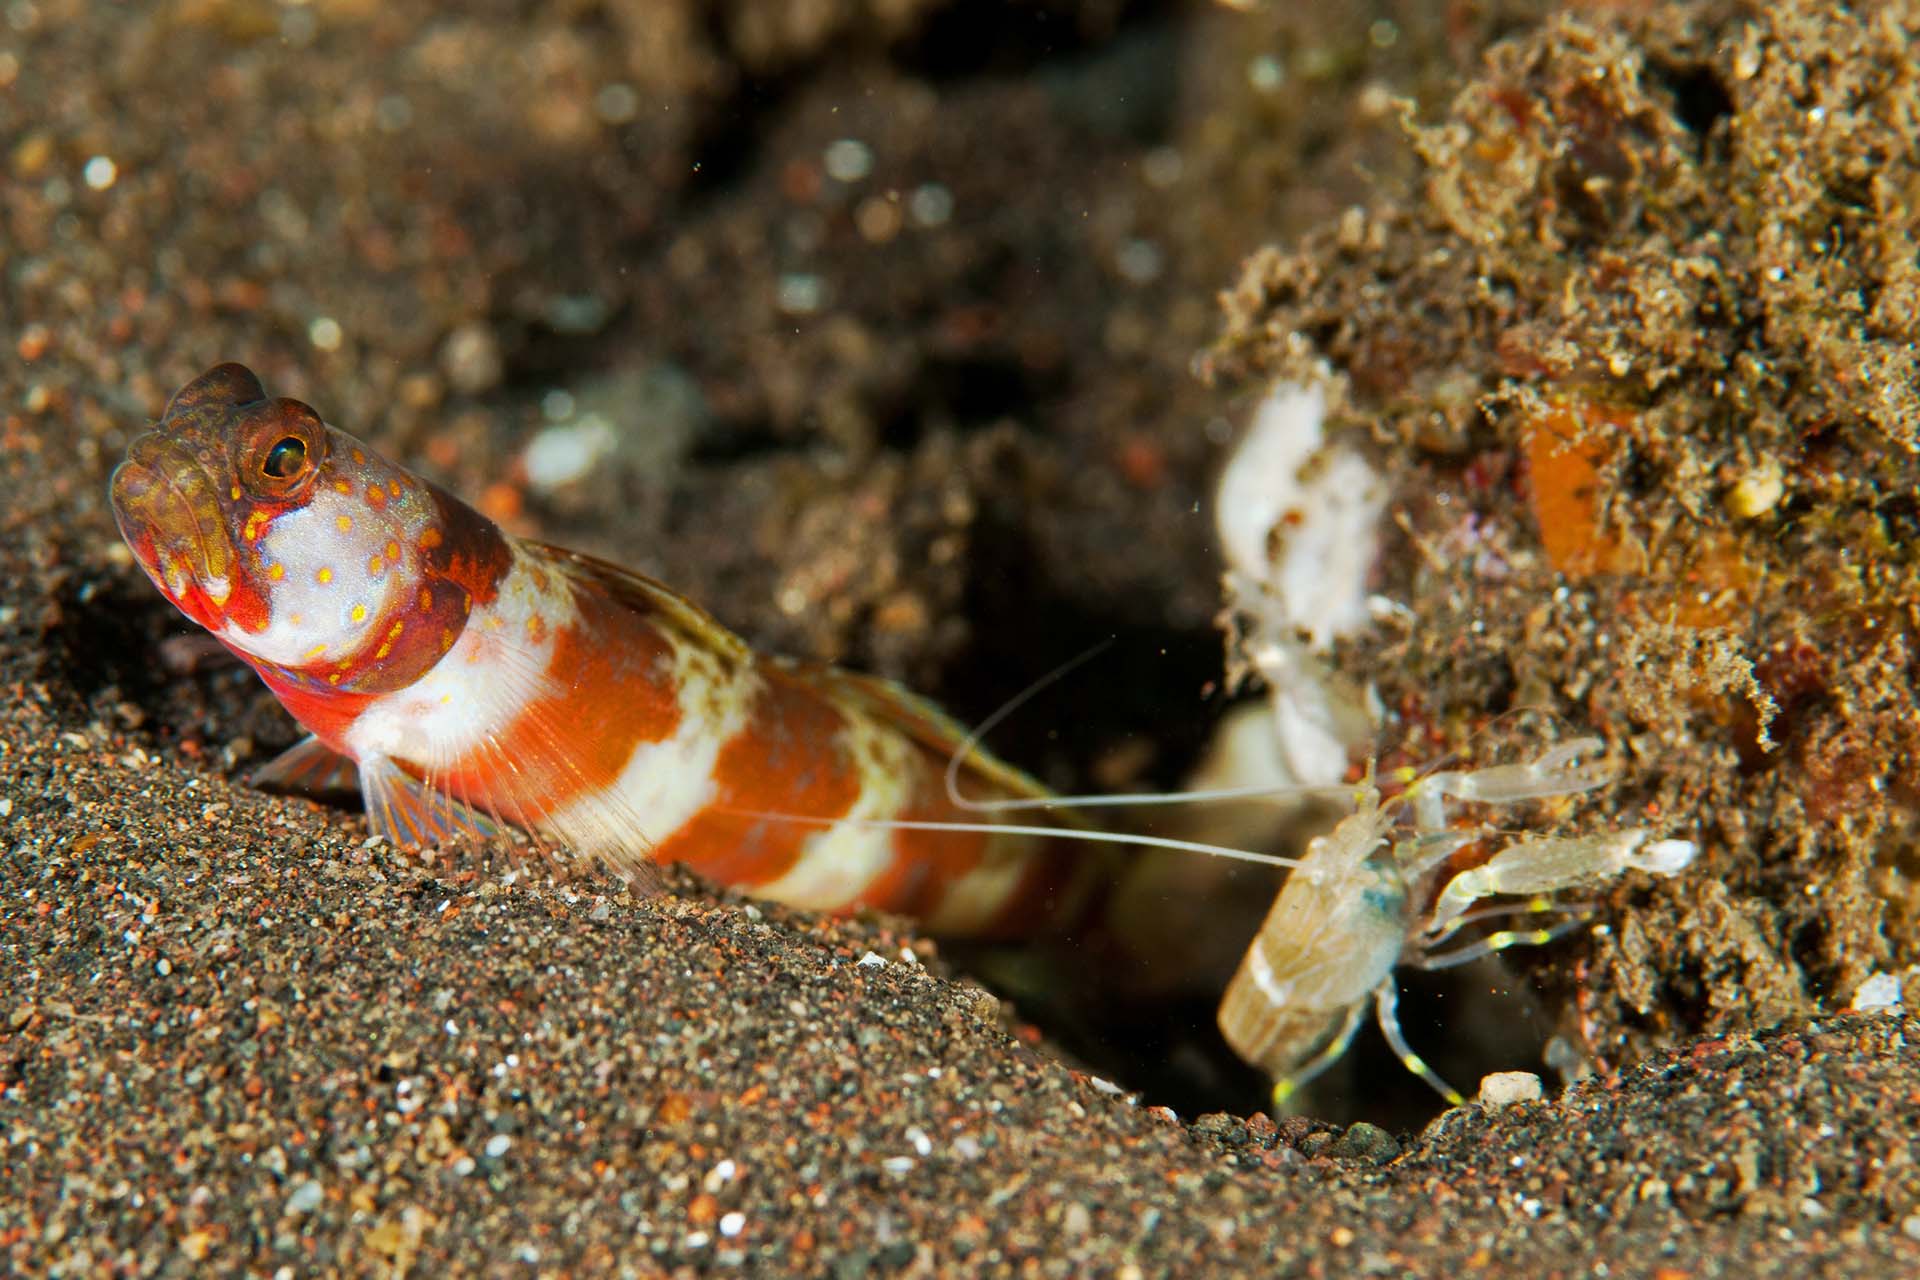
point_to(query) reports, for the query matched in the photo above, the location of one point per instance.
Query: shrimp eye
(286, 459)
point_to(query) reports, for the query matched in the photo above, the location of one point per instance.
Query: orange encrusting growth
(1566, 448)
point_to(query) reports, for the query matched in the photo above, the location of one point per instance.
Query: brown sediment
(237, 1039)
(1664, 258)
(226, 1043)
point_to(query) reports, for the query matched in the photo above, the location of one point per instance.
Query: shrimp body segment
(1355, 909)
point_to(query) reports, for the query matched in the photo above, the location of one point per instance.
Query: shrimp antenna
(1461, 753)
(973, 742)
(1015, 829)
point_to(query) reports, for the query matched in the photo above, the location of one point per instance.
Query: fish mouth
(169, 511)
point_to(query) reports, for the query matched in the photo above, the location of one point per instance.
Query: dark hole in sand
(1700, 100)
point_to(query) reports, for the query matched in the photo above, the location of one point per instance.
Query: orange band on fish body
(610, 689)
(788, 759)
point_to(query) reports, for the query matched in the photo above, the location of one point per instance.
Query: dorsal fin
(935, 730)
(227, 383)
(642, 593)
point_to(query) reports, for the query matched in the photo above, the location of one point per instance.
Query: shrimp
(1364, 900)
(1355, 909)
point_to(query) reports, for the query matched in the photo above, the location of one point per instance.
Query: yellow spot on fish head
(426, 600)
(324, 575)
(393, 550)
(359, 458)
(251, 530)
(397, 628)
(314, 652)
(234, 493)
(375, 565)
(295, 619)
(358, 613)
(344, 523)
(334, 678)
(376, 496)
(341, 486)
(430, 539)
(393, 488)
(276, 571)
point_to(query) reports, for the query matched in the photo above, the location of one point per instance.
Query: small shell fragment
(1758, 491)
(1504, 1088)
(1880, 993)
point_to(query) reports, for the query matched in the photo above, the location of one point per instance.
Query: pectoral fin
(309, 767)
(410, 813)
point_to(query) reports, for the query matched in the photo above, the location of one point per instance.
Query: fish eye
(285, 460)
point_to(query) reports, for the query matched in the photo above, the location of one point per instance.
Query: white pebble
(307, 1196)
(800, 294)
(931, 204)
(1139, 261)
(498, 1145)
(849, 160)
(470, 357)
(1880, 993)
(616, 103)
(325, 333)
(558, 456)
(718, 1176)
(1504, 1088)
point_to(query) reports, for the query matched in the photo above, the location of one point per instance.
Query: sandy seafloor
(236, 1039)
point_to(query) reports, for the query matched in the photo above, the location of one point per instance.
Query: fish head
(297, 546)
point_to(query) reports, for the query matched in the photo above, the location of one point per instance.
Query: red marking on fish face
(461, 546)
(324, 709)
(260, 523)
(192, 493)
